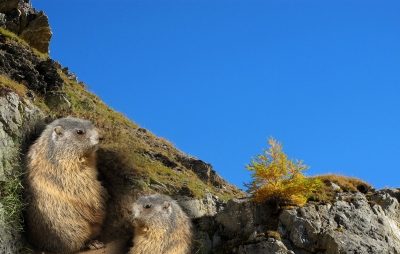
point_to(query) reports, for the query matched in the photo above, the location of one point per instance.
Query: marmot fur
(161, 227)
(66, 201)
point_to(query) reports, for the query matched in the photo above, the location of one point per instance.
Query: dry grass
(7, 85)
(127, 147)
(326, 192)
(13, 37)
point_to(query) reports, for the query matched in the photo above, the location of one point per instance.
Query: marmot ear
(166, 205)
(58, 130)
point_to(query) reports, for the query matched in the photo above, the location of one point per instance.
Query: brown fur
(66, 201)
(161, 227)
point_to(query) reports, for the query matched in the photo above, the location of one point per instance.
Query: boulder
(19, 17)
(37, 33)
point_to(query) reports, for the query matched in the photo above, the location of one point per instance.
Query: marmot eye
(80, 132)
(147, 206)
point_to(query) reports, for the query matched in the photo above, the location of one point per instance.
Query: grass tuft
(326, 193)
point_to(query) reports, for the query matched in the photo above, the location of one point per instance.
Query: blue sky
(217, 78)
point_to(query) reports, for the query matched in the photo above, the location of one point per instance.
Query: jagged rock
(22, 65)
(38, 33)
(243, 217)
(196, 208)
(350, 225)
(393, 192)
(19, 120)
(20, 18)
(8, 5)
(203, 170)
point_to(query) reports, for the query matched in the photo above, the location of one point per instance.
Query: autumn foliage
(278, 180)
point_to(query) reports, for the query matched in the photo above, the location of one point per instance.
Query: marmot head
(154, 211)
(73, 136)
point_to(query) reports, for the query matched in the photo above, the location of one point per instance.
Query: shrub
(278, 180)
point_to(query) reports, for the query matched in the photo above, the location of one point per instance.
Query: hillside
(34, 90)
(346, 215)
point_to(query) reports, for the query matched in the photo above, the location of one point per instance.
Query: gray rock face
(197, 208)
(350, 225)
(241, 216)
(19, 118)
(19, 17)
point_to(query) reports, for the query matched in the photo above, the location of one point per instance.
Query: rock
(57, 100)
(243, 217)
(334, 186)
(19, 17)
(196, 208)
(38, 33)
(393, 192)
(22, 65)
(8, 5)
(388, 203)
(349, 225)
(204, 171)
(19, 120)
(265, 247)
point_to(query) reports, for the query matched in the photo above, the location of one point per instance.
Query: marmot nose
(101, 136)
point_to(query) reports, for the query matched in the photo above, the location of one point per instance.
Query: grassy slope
(126, 145)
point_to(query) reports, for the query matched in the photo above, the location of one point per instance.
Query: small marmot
(66, 201)
(161, 227)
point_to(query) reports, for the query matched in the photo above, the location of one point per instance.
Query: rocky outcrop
(21, 64)
(19, 119)
(210, 205)
(354, 223)
(350, 225)
(19, 17)
(202, 169)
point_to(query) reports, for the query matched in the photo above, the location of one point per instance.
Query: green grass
(11, 199)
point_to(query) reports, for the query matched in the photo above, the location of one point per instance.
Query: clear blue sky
(217, 78)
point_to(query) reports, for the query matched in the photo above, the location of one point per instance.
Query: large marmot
(161, 227)
(66, 201)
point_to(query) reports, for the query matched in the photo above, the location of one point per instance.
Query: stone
(196, 208)
(265, 247)
(242, 216)
(8, 5)
(19, 118)
(350, 225)
(23, 66)
(19, 17)
(38, 33)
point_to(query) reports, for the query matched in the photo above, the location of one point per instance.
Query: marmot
(161, 227)
(66, 201)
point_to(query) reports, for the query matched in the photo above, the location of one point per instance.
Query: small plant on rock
(278, 180)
